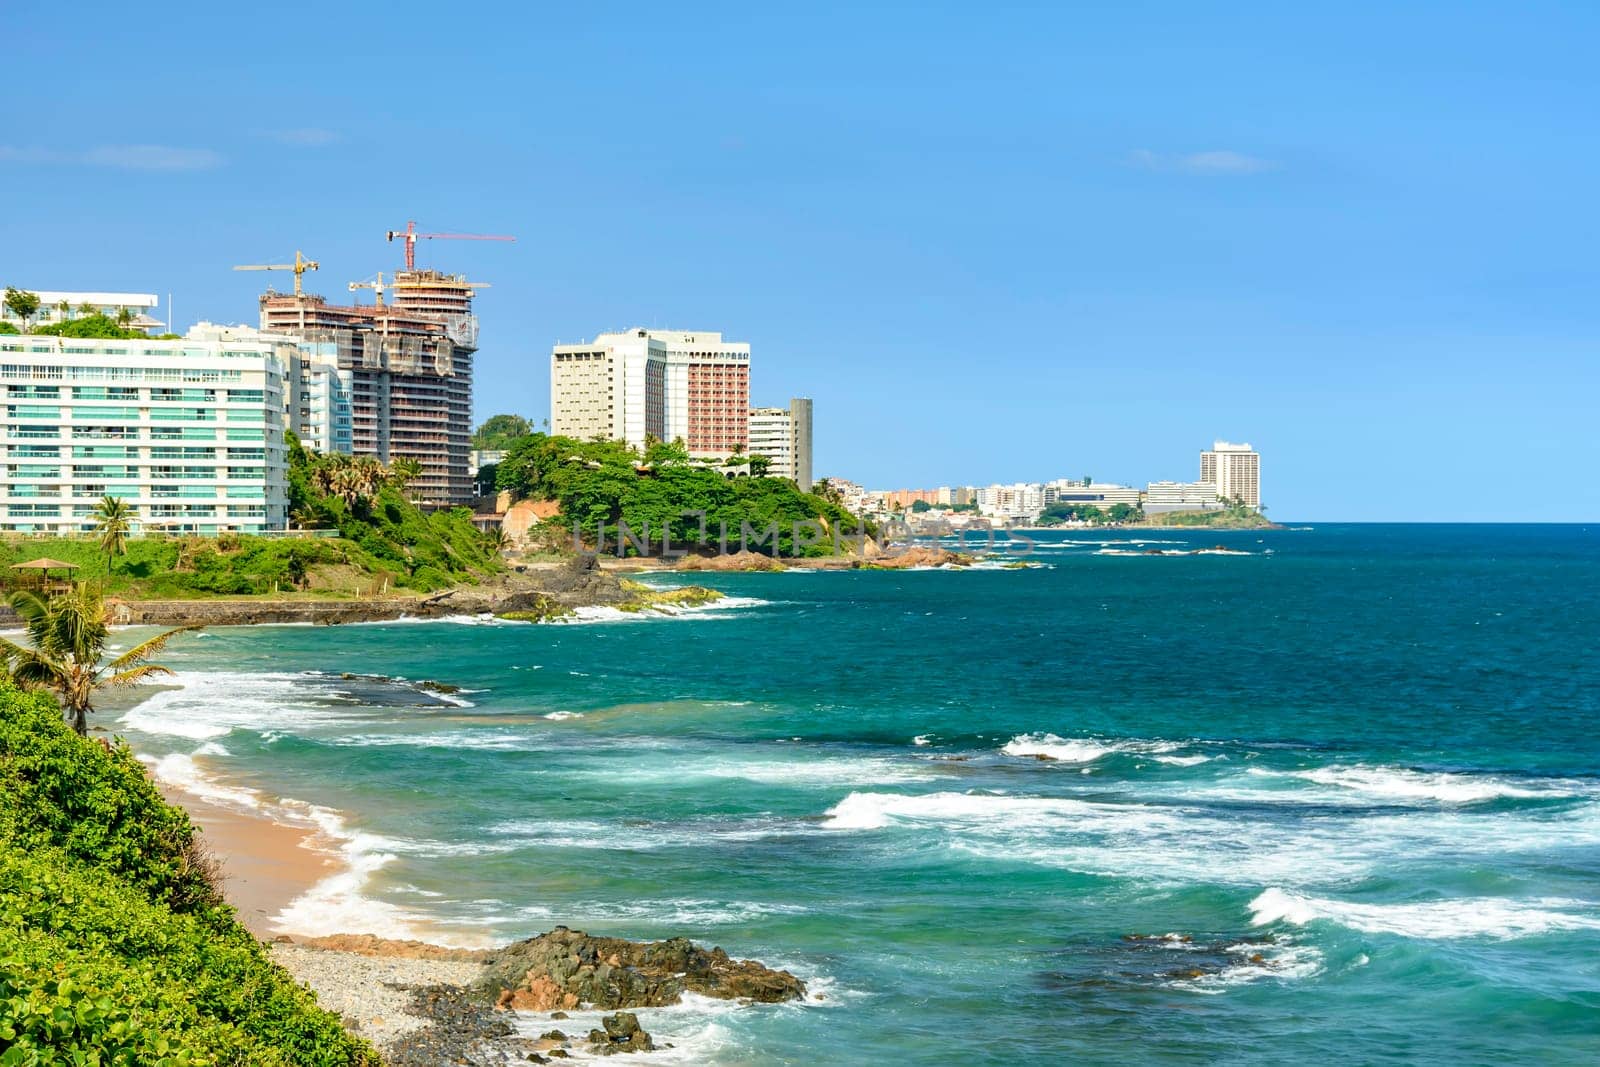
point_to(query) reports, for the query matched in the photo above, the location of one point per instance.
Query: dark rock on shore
(621, 1034)
(462, 1032)
(564, 969)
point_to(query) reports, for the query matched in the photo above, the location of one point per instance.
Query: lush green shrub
(114, 946)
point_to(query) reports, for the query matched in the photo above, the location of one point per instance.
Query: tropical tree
(496, 539)
(23, 304)
(404, 471)
(86, 308)
(65, 307)
(124, 317)
(67, 637)
(111, 517)
(760, 465)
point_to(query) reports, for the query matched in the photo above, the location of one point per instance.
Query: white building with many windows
(318, 394)
(783, 435)
(188, 433)
(1235, 470)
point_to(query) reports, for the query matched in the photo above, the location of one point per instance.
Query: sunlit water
(1352, 771)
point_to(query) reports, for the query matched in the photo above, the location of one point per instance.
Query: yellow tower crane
(377, 288)
(299, 266)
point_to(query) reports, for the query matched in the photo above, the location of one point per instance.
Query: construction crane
(377, 288)
(299, 266)
(410, 236)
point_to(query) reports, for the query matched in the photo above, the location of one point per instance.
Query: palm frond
(136, 674)
(140, 652)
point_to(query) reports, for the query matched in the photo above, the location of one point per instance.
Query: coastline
(266, 864)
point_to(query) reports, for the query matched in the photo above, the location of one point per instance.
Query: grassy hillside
(114, 945)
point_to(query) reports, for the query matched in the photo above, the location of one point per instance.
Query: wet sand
(265, 864)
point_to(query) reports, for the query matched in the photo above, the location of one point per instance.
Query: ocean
(1325, 793)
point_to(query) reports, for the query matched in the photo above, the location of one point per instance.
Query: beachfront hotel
(1235, 470)
(783, 435)
(664, 384)
(188, 432)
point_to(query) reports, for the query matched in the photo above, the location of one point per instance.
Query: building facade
(317, 392)
(410, 372)
(1179, 496)
(188, 433)
(783, 436)
(1235, 470)
(664, 384)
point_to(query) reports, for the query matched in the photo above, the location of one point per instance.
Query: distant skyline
(1001, 244)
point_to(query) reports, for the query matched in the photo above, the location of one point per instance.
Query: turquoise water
(1366, 757)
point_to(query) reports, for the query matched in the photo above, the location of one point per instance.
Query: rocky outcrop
(566, 969)
(733, 561)
(916, 556)
(621, 1034)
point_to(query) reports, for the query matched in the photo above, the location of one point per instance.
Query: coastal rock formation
(916, 556)
(621, 1034)
(733, 561)
(565, 969)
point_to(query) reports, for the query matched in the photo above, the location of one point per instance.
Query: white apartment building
(317, 394)
(666, 384)
(59, 306)
(1235, 470)
(188, 433)
(1179, 496)
(783, 435)
(1022, 501)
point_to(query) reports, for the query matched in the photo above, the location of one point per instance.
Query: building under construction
(410, 362)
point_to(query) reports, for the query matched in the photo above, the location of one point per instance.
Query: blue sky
(994, 242)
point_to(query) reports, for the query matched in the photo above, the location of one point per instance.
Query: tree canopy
(499, 432)
(601, 483)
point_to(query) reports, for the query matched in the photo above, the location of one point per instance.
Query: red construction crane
(411, 237)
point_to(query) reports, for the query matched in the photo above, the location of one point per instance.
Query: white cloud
(121, 157)
(304, 136)
(1217, 162)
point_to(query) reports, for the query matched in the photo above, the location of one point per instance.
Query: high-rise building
(800, 415)
(317, 392)
(1235, 470)
(783, 436)
(188, 433)
(666, 384)
(410, 365)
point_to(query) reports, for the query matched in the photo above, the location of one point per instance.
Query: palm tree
(496, 540)
(111, 517)
(68, 635)
(405, 470)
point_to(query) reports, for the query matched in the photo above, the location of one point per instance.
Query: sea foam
(1483, 917)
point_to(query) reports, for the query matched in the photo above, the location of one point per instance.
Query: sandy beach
(265, 864)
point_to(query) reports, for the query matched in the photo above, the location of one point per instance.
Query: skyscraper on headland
(663, 384)
(1235, 470)
(410, 365)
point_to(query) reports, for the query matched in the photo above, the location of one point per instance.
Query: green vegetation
(601, 483)
(500, 432)
(642, 597)
(112, 518)
(67, 637)
(1236, 516)
(384, 533)
(115, 947)
(24, 305)
(7, 328)
(96, 326)
(1056, 514)
(383, 541)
